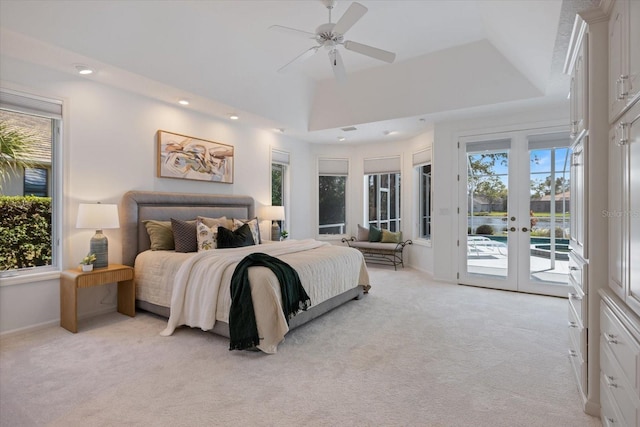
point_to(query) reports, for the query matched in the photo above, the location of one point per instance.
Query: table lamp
(98, 216)
(275, 214)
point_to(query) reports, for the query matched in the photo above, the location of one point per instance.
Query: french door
(514, 215)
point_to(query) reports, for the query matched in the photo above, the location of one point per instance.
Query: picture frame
(186, 157)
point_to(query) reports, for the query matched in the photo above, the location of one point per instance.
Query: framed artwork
(186, 157)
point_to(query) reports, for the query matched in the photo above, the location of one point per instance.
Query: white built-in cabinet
(579, 91)
(624, 208)
(619, 339)
(624, 56)
(587, 259)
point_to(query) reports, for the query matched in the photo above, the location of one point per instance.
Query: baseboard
(30, 328)
(54, 322)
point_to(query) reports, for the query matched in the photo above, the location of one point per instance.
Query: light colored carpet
(413, 352)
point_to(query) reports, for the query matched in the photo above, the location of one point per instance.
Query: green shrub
(25, 232)
(484, 229)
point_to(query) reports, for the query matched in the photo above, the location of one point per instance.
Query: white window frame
(420, 159)
(332, 167)
(21, 102)
(390, 165)
(282, 158)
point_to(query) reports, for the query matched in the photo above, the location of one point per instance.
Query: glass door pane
(548, 243)
(487, 198)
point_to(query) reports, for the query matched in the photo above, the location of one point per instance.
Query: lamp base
(275, 231)
(99, 245)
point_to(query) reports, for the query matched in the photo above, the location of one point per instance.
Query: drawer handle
(610, 338)
(573, 353)
(609, 380)
(572, 268)
(573, 325)
(575, 296)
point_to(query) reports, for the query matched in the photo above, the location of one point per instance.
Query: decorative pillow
(207, 234)
(375, 234)
(242, 236)
(184, 235)
(160, 235)
(215, 222)
(391, 237)
(253, 225)
(363, 234)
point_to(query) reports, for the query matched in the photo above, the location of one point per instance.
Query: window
(382, 190)
(422, 168)
(280, 181)
(30, 130)
(332, 196)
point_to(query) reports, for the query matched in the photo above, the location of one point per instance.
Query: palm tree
(15, 152)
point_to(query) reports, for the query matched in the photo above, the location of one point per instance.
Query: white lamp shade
(97, 216)
(274, 213)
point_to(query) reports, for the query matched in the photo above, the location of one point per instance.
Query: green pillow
(391, 237)
(160, 235)
(375, 234)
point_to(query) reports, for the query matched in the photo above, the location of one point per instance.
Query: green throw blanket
(242, 320)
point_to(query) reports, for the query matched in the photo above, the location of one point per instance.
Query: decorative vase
(87, 267)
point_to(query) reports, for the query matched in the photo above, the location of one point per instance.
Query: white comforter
(201, 288)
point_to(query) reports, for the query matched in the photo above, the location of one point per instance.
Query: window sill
(332, 237)
(24, 277)
(422, 242)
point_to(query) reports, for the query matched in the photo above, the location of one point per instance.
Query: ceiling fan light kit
(331, 36)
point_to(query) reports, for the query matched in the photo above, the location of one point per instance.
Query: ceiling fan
(330, 36)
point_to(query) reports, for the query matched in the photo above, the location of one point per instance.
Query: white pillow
(207, 234)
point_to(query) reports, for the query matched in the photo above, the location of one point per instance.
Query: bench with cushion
(379, 246)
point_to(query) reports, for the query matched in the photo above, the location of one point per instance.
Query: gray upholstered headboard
(137, 206)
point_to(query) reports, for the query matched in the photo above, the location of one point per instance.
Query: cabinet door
(615, 213)
(634, 50)
(579, 91)
(617, 33)
(578, 221)
(633, 194)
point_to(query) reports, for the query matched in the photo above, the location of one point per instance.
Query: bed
(192, 289)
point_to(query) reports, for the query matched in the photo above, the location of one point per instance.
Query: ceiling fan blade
(298, 59)
(350, 17)
(371, 51)
(338, 66)
(293, 31)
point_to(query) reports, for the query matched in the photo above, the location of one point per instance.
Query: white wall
(109, 147)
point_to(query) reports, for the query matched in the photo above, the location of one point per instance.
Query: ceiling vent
(349, 129)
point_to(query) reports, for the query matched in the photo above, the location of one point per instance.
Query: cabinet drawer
(577, 337)
(613, 379)
(577, 272)
(579, 369)
(622, 346)
(609, 413)
(578, 302)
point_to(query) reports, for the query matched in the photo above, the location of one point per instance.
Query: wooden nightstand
(71, 280)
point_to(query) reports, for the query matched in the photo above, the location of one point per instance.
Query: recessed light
(183, 102)
(341, 138)
(84, 70)
(234, 116)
